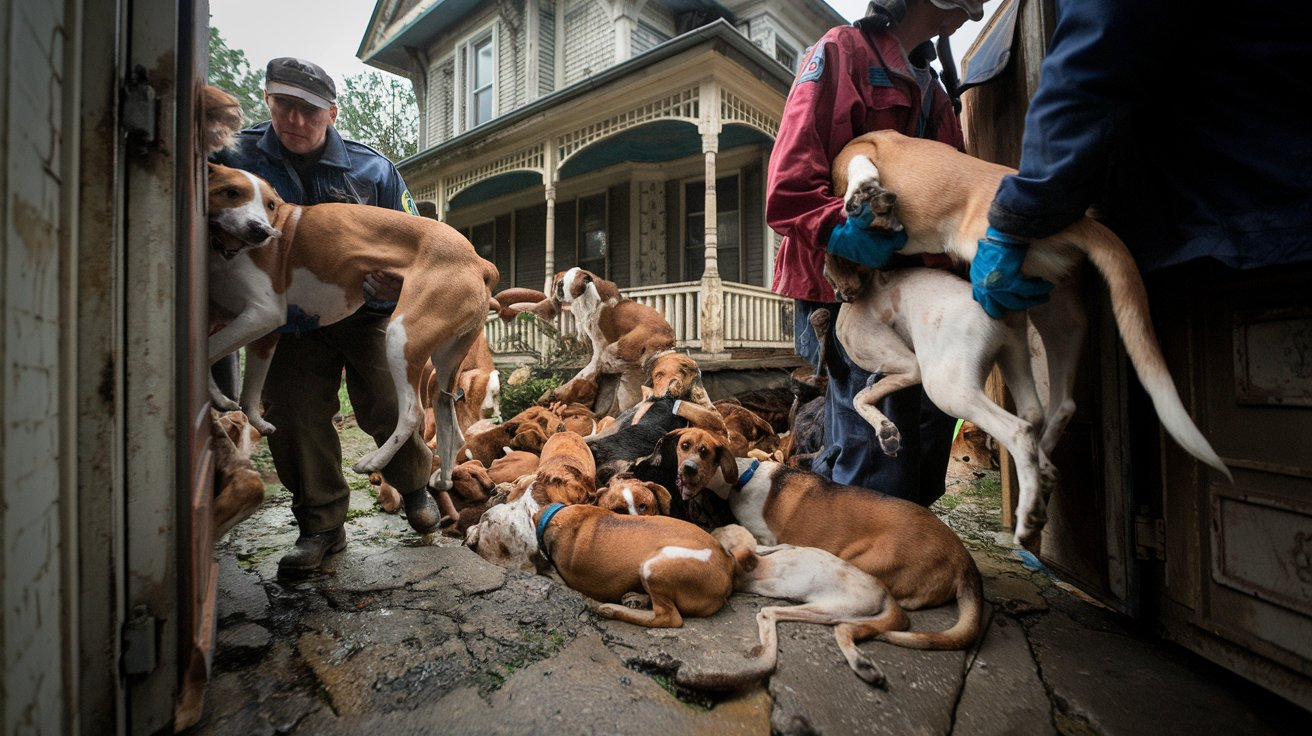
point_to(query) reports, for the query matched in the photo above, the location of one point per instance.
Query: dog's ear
(664, 449)
(662, 497)
(528, 438)
(728, 464)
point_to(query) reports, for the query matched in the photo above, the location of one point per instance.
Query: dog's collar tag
(547, 513)
(747, 475)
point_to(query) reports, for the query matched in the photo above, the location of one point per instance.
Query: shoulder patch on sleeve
(815, 65)
(408, 202)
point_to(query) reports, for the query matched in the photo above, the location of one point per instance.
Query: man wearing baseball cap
(308, 162)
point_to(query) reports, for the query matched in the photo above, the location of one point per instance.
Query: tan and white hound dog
(268, 255)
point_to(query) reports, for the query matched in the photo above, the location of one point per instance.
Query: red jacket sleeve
(817, 122)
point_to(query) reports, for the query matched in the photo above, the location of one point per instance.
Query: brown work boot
(421, 510)
(310, 549)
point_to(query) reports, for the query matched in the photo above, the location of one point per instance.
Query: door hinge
(140, 112)
(1149, 536)
(139, 635)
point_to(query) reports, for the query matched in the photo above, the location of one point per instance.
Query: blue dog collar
(550, 511)
(747, 475)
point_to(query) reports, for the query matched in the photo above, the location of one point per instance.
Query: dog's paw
(890, 440)
(881, 201)
(867, 670)
(1029, 537)
(264, 428)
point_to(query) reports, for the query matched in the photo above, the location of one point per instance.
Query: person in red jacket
(873, 75)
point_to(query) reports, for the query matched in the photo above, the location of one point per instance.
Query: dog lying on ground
(671, 373)
(505, 535)
(828, 589)
(268, 255)
(567, 472)
(637, 432)
(941, 199)
(608, 556)
(623, 333)
(238, 488)
(577, 417)
(625, 494)
(918, 558)
(527, 430)
(512, 465)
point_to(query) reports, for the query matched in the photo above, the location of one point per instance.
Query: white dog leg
(258, 358)
(408, 415)
(1061, 325)
(220, 400)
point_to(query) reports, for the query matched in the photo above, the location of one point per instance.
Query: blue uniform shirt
(346, 171)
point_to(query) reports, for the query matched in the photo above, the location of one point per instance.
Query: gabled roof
(432, 21)
(718, 32)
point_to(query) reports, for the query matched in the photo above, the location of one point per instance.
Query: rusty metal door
(1237, 582)
(171, 573)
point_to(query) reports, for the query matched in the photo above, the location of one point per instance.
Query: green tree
(379, 110)
(230, 71)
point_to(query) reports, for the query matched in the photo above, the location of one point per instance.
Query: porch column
(712, 288)
(549, 179)
(441, 200)
(550, 263)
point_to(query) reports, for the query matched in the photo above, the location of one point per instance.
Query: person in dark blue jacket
(1184, 123)
(308, 162)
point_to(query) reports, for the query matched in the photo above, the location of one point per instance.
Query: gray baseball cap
(973, 8)
(302, 79)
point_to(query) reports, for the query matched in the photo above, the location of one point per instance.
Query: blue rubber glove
(855, 241)
(997, 283)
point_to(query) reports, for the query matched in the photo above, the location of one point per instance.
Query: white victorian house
(628, 137)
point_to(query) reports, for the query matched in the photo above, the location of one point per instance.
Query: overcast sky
(328, 32)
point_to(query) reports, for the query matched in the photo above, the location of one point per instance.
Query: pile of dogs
(656, 514)
(649, 498)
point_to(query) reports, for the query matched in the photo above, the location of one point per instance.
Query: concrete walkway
(401, 637)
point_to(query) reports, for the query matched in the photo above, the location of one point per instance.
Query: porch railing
(753, 318)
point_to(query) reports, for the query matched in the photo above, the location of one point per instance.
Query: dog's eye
(642, 507)
(230, 193)
(270, 205)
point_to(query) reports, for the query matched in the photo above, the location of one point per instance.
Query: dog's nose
(258, 232)
(689, 467)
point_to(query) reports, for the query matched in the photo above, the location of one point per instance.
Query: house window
(592, 234)
(785, 54)
(646, 37)
(482, 70)
(728, 229)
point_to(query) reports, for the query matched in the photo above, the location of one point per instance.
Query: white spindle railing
(754, 317)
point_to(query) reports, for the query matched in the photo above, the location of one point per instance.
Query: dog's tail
(962, 634)
(1129, 300)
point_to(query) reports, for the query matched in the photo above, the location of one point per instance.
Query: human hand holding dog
(996, 280)
(382, 286)
(855, 241)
